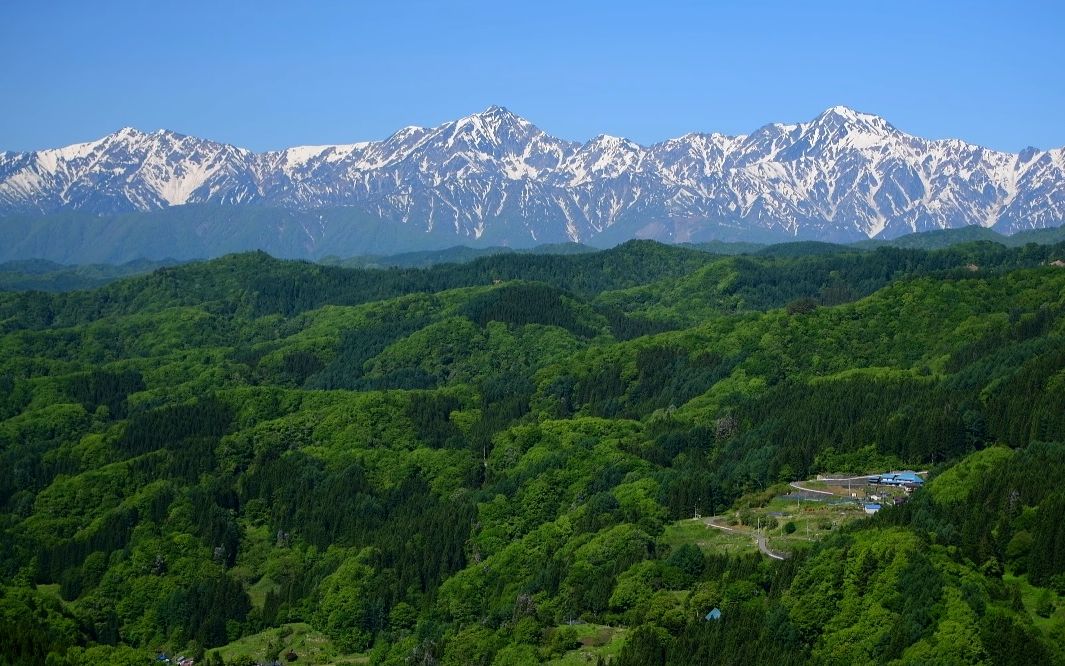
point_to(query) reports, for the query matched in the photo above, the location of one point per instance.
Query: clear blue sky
(267, 75)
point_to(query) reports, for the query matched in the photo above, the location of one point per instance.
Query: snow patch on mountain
(843, 175)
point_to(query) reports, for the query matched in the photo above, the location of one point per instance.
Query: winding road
(758, 539)
(765, 549)
(813, 493)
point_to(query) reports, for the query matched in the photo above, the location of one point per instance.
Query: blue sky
(268, 75)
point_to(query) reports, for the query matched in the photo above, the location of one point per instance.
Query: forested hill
(485, 463)
(42, 275)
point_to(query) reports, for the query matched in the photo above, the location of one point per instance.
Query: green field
(1037, 601)
(812, 521)
(310, 646)
(596, 641)
(712, 540)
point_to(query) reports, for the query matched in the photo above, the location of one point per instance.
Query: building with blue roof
(909, 477)
(905, 478)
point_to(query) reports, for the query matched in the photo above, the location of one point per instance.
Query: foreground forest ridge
(497, 462)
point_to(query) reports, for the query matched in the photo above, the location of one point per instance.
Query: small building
(715, 614)
(898, 479)
(871, 508)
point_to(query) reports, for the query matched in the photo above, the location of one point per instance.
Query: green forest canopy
(471, 463)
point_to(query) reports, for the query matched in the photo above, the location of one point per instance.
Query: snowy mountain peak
(613, 142)
(497, 124)
(502, 113)
(845, 174)
(842, 118)
(846, 113)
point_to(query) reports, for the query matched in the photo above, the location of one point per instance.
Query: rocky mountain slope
(495, 177)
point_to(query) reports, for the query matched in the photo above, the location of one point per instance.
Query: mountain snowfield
(494, 176)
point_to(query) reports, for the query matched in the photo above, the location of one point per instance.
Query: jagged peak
(845, 116)
(774, 129)
(497, 111)
(844, 112)
(165, 139)
(493, 119)
(612, 141)
(170, 134)
(781, 172)
(715, 138)
(405, 133)
(1027, 154)
(127, 132)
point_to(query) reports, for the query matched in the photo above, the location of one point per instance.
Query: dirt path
(711, 523)
(759, 539)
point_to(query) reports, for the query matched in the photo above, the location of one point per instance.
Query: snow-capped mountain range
(844, 175)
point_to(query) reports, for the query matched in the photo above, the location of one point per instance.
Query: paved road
(765, 549)
(798, 486)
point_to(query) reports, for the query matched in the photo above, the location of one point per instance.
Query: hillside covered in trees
(478, 463)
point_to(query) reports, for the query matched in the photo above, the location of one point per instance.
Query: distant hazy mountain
(458, 254)
(938, 238)
(493, 178)
(41, 275)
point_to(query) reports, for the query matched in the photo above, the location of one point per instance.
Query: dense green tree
(477, 463)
